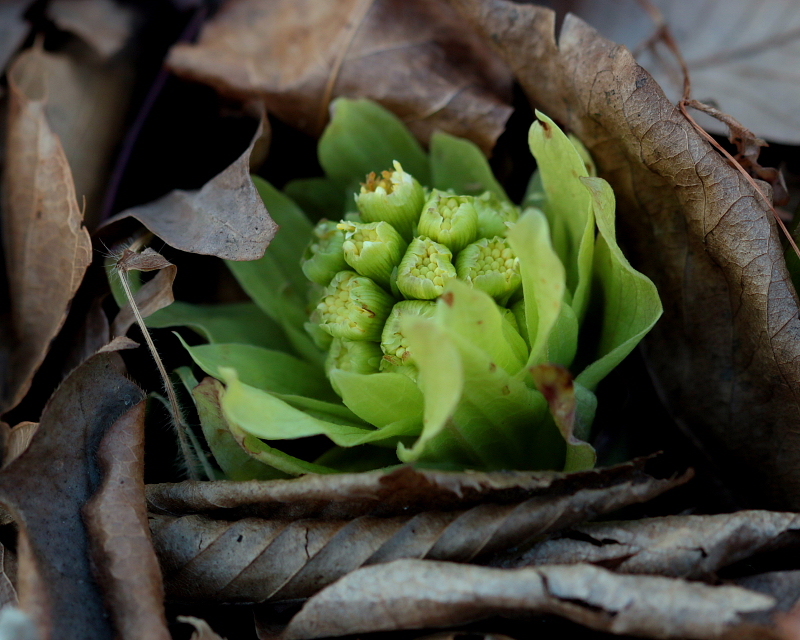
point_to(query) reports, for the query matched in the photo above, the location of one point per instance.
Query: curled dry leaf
(415, 57)
(725, 352)
(155, 294)
(105, 25)
(678, 546)
(415, 594)
(46, 488)
(403, 491)
(116, 519)
(17, 440)
(225, 218)
(302, 547)
(47, 248)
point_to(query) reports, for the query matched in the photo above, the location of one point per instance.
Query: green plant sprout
(426, 318)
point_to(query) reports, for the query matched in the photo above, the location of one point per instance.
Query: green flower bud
(394, 197)
(494, 215)
(396, 354)
(353, 307)
(357, 356)
(491, 266)
(323, 257)
(425, 269)
(451, 220)
(373, 249)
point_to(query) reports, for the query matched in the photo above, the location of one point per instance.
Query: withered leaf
(13, 28)
(415, 57)
(155, 294)
(202, 630)
(403, 491)
(56, 585)
(679, 546)
(8, 576)
(104, 24)
(17, 440)
(414, 594)
(225, 218)
(47, 248)
(740, 56)
(725, 352)
(303, 546)
(116, 519)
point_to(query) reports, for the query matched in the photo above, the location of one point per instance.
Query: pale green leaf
(460, 165)
(631, 305)
(240, 322)
(379, 398)
(362, 137)
(568, 206)
(543, 280)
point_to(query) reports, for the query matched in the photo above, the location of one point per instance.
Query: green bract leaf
(241, 322)
(319, 197)
(568, 207)
(231, 458)
(276, 282)
(362, 137)
(262, 368)
(630, 300)
(379, 398)
(460, 165)
(543, 280)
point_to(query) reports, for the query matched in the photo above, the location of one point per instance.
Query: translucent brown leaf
(321, 528)
(225, 218)
(45, 489)
(417, 58)
(693, 547)
(726, 351)
(417, 594)
(47, 247)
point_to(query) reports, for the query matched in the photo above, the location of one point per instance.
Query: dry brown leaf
(725, 353)
(403, 491)
(116, 519)
(202, 630)
(56, 585)
(225, 218)
(742, 55)
(415, 57)
(106, 25)
(679, 546)
(411, 514)
(415, 594)
(155, 294)
(93, 334)
(8, 577)
(17, 440)
(47, 248)
(86, 103)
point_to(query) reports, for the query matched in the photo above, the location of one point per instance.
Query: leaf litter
(415, 57)
(319, 529)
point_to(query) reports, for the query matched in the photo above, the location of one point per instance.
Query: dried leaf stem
(188, 443)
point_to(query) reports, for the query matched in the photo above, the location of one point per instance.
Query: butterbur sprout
(353, 307)
(392, 196)
(425, 269)
(435, 311)
(449, 219)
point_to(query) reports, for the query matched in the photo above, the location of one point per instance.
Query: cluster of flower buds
(394, 257)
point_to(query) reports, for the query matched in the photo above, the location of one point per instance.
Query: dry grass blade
(415, 594)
